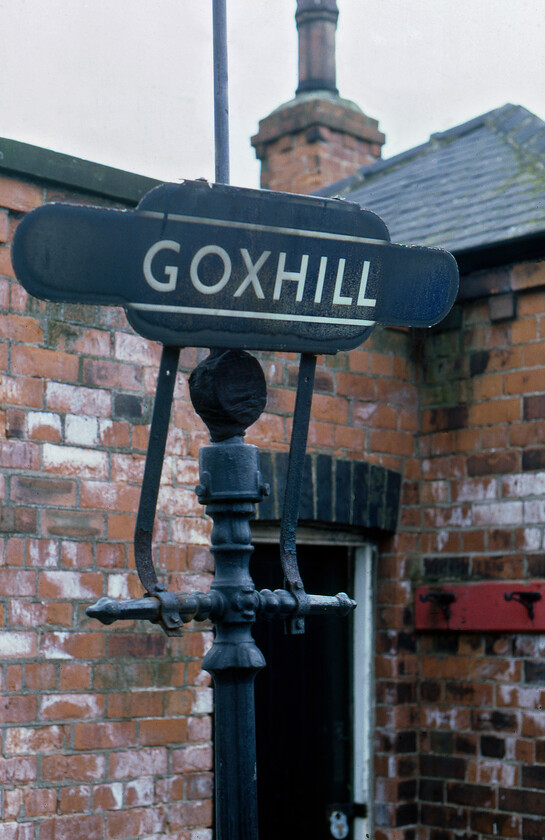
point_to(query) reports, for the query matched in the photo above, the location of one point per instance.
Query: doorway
(312, 750)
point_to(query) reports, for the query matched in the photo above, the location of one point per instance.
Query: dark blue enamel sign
(215, 266)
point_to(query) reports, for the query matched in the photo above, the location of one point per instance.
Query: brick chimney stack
(318, 137)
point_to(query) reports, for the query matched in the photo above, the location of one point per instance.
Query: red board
(489, 607)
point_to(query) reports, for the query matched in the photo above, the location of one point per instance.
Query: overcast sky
(129, 82)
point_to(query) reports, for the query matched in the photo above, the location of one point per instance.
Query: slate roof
(471, 187)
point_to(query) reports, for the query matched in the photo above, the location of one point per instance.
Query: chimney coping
(317, 108)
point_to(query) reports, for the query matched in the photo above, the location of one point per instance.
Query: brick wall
(460, 720)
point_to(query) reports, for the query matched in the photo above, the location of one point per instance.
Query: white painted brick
(81, 430)
(532, 538)
(202, 701)
(54, 646)
(534, 510)
(77, 399)
(133, 348)
(36, 420)
(118, 586)
(72, 460)
(176, 501)
(14, 645)
(189, 530)
(523, 485)
(70, 585)
(477, 490)
(498, 514)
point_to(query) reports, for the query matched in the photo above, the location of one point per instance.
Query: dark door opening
(303, 703)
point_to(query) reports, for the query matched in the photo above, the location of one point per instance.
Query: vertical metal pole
(221, 98)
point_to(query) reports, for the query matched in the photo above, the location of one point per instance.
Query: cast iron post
(228, 391)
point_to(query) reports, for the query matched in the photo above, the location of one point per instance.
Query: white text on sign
(251, 280)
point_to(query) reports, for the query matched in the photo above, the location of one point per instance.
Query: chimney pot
(316, 25)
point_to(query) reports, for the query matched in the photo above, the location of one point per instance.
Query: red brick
(40, 802)
(74, 799)
(396, 443)
(13, 678)
(89, 342)
(4, 226)
(18, 708)
(70, 524)
(523, 382)
(524, 330)
(19, 195)
(330, 409)
(79, 827)
(71, 706)
(64, 645)
(139, 792)
(136, 822)
(496, 411)
(76, 555)
(16, 582)
(40, 675)
(21, 390)
(130, 763)
(136, 704)
(169, 789)
(43, 425)
(103, 736)
(19, 456)
(185, 814)
(357, 386)
(18, 771)
(78, 768)
(43, 491)
(112, 375)
(193, 757)
(108, 797)
(6, 266)
(70, 585)
(125, 644)
(157, 732)
(17, 831)
(75, 676)
(43, 363)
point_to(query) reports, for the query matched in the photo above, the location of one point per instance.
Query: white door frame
(363, 655)
(363, 672)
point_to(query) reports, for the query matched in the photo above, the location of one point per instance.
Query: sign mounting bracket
(166, 382)
(290, 511)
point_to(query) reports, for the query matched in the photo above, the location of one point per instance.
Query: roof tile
(472, 186)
